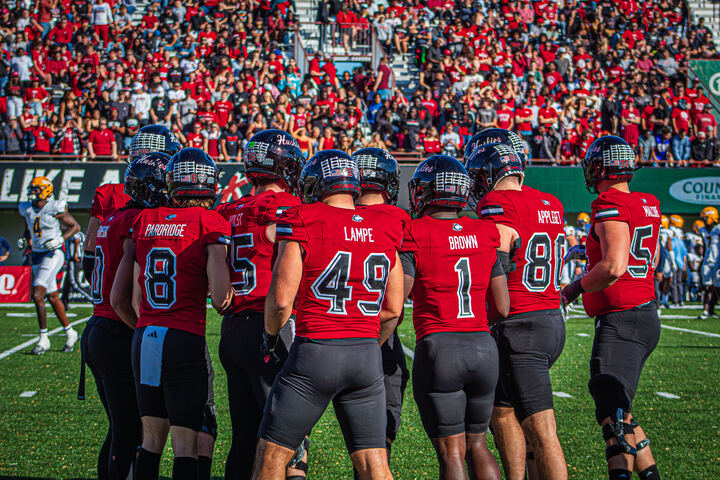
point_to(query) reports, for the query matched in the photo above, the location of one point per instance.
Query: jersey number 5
(242, 265)
(640, 253)
(544, 262)
(332, 284)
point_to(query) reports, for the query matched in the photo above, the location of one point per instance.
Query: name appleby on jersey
(165, 229)
(550, 216)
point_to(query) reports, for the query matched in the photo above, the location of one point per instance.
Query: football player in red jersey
(106, 341)
(342, 265)
(178, 254)
(618, 291)
(110, 197)
(452, 268)
(380, 184)
(272, 163)
(532, 337)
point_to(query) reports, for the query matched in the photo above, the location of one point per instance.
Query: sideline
(35, 339)
(696, 332)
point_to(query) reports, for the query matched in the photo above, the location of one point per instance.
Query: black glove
(88, 265)
(572, 292)
(576, 253)
(268, 347)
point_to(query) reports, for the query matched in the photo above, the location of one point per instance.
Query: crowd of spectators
(79, 78)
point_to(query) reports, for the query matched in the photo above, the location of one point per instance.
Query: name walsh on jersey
(165, 229)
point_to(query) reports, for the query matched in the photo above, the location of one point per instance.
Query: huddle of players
(323, 242)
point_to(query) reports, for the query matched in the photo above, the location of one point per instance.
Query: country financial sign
(697, 190)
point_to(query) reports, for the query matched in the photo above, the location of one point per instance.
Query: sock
(44, 335)
(650, 473)
(620, 474)
(67, 329)
(204, 464)
(147, 465)
(185, 468)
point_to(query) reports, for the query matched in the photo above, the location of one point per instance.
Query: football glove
(53, 244)
(22, 243)
(268, 347)
(572, 292)
(576, 253)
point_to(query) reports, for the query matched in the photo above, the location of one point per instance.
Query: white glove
(22, 243)
(53, 244)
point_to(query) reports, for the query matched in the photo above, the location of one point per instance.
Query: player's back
(42, 222)
(348, 255)
(108, 253)
(392, 210)
(108, 198)
(453, 264)
(252, 253)
(641, 212)
(171, 252)
(537, 217)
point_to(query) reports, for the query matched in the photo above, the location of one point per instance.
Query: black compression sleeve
(88, 264)
(499, 266)
(407, 259)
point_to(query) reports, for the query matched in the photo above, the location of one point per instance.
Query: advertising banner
(680, 190)
(15, 284)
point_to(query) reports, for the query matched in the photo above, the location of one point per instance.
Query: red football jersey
(393, 210)
(641, 211)
(453, 262)
(348, 257)
(252, 255)
(107, 199)
(170, 249)
(538, 218)
(108, 253)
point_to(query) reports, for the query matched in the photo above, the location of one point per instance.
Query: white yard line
(32, 305)
(409, 352)
(562, 395)
(35, 339)
(31, 314)
(667, 395)
(696, 332)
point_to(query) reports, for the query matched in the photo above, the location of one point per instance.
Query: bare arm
(286, 277)
(507, 236)
(392, 306)
(136, 291)
(615, 245)
(91, 234)
(121, 296)
(72, 225)
(498, 299)
(218, 277)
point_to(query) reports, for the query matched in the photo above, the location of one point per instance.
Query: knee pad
(297, 460)
(609, 396)
(642, 443)
(618, 430)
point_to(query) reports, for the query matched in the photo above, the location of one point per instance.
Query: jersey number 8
(544, 262)
(160, 270)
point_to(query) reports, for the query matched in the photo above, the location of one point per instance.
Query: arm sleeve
(407, 259)
(499, 267)
(60, 207)
(604, 210)
(292, 227)
(96, 208)
(498, 209)
(215, 229)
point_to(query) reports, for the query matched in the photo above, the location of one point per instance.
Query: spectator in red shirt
(101, 142)
(43, 136)
(680, 117)
(705, 122)
(346, 21)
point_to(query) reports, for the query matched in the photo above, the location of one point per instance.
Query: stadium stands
(79, 78)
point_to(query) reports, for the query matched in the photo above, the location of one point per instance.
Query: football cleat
(72, 338)
(41, 347)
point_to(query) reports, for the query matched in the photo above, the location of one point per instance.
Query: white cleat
(704, 315)
(72, 338)
(41, 347)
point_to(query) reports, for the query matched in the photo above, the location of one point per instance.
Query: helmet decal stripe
(619, 155)
(452, 182)
(339, 167)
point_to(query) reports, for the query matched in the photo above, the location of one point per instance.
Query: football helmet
(40, 188)
(326, 172)
(145, 179)
(191, 173)
(153, 138)
(490, 163)
(583, 218)
(676, 221)
(378, 171)
(710, 215)
(273, 154)
(697, 226)
(608, 158)
(497, 135)
(664, 221)
(439, 181)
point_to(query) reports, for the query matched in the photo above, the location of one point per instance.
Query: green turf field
(53, 435)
